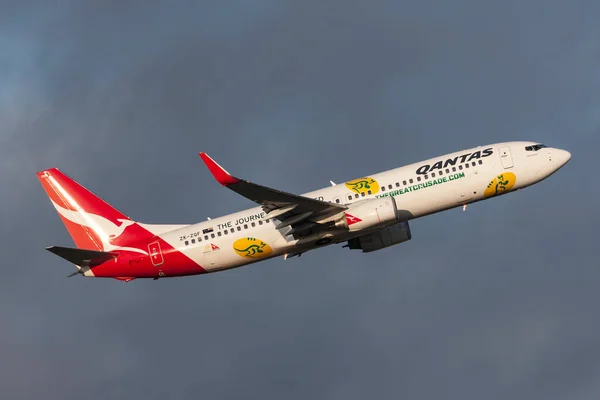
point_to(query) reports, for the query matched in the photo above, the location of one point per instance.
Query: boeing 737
(368, 214)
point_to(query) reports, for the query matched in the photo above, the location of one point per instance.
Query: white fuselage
(419, 189)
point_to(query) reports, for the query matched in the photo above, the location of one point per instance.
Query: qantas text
(425, 169)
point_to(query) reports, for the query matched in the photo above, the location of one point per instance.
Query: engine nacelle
(372, 213)
(382, 238)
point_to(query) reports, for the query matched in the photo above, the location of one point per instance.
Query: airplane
(368, 213)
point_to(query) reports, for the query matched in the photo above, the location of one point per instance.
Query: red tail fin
(92, 223)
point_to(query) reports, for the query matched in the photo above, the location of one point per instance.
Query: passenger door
(506, 157)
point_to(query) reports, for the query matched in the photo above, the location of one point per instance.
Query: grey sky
(495, 303)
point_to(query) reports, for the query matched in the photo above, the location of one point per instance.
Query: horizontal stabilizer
(82, 257)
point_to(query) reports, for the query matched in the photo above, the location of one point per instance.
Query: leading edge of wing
(272, 198)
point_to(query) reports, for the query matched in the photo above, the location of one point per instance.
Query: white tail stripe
(67, 198)
(103, 227)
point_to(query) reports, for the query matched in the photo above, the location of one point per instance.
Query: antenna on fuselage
(332, 183)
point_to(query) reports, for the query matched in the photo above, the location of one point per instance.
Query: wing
(300, 212)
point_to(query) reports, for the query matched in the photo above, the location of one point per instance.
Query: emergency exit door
(506, 157)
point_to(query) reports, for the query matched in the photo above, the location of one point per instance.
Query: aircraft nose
(562, 156)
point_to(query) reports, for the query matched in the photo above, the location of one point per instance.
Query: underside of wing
(301, 213)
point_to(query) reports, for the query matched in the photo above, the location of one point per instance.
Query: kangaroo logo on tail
(106, 230)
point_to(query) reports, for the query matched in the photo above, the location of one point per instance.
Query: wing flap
(294, 220)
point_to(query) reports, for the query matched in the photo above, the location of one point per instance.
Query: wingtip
(46, 172)
(220, 174)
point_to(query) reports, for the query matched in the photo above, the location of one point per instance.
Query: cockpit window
(535, 147)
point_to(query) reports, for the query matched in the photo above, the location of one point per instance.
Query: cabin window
(219, 233)
(447, 170)
(453, 169)
(418, 179)
(206, 237)
(480, 162)
(383, 188)
(232, 230)
(397, 184)
(260, 222)
(187, 243)
(337, 201)
(460, 167)
(467, 165)
(239, 228)
(426, 176)
(245, 226)
(199, 239)
(441, 172)
(369, 192)
(404, 183)
(433, 174)
(363, 194)
(225, 232)
(349, 197)
(193, 241)
(474, 163)
(212, 235)
(356, 196)
(253, 224)
(411, 181)
(390, 186)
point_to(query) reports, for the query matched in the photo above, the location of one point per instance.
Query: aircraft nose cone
(563, 157)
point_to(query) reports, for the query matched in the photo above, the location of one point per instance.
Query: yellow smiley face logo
(252, 248)
(500, 184)
(363, 185)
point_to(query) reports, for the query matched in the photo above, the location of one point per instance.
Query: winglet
(222, 176)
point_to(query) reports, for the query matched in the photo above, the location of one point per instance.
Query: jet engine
(369, 214)
(382, 238)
